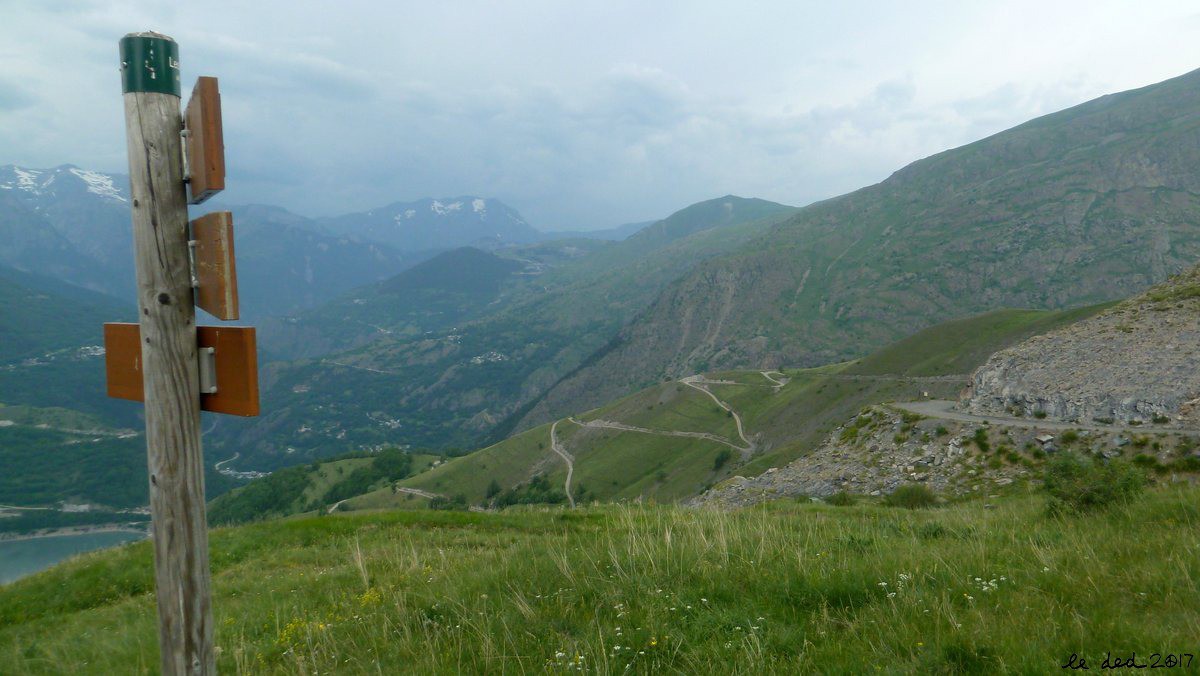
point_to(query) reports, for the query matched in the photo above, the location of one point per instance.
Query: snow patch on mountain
(27, 179)
(99, 184)
(442, 209)
(478, 205)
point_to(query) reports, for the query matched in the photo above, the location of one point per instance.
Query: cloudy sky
(580, 114)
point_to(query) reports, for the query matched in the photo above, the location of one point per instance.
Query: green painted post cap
(149, 63)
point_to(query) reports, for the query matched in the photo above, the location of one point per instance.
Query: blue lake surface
(19, 558)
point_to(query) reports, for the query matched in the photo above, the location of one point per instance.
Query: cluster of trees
(537, 491)
(273, 495)
(282, 492)
(390, 465)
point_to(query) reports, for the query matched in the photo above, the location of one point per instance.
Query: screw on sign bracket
(207, 357)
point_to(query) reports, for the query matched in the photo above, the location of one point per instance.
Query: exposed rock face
(1138, 361)
(877, 452)
(882, 449)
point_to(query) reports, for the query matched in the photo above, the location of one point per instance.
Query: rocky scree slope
(1136, 362)
(881, 449)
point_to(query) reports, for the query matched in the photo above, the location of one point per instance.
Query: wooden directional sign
(235, 359)
(205, 141)
(216, 273)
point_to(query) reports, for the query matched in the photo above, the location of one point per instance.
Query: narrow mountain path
(217, 466)
(567, 458)
(698, 382)
(778, 383)
(961, 377)
(944, 409)
(613, 425)
(410, 491)
(417, 492)
(360, 368)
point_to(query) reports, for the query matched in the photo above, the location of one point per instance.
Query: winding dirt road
(777, 383)
(698, 382)
(410, 491)
(567, 458)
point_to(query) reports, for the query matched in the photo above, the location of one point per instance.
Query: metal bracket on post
(192, 263)
(184, 134)
(208, 370)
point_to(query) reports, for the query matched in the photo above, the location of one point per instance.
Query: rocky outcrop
(880, 450)
(1136, 362)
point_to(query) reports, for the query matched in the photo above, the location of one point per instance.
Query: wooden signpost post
(165, 361)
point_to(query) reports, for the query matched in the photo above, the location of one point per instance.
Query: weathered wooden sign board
(236, 365)
(216, 271)
(205, 141)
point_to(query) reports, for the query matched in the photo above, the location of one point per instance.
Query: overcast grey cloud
(579, 114)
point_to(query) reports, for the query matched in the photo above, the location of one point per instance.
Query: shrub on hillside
(911, 496)
(1079, 484)
(537, 491)
(723, 457)
(841, 499)
(441, 502)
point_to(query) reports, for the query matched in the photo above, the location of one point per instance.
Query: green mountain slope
(39, 315)
(433, 295)
(649, 444)
(51, 335)
(1086, 205)
(427, 381)
(317, 487)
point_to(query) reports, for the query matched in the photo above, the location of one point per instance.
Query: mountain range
(378, 337)
(1089, 204)
(1083, 206)
(73, 224)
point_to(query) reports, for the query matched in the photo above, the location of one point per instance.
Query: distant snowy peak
(39, 182)
(436, 223)
(411, 213)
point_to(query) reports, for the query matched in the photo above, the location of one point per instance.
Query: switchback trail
(698, 382)
(217, 466)
(777, 383)
(613, 425)
(567, 458)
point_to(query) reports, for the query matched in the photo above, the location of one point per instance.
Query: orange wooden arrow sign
(236, 360)
(215, 267)
(205, 141)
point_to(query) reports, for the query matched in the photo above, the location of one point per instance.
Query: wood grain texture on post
(150, 82)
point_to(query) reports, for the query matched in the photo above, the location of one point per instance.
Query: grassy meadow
(788, 587)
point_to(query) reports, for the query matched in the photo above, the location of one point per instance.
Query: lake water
(19, 558)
